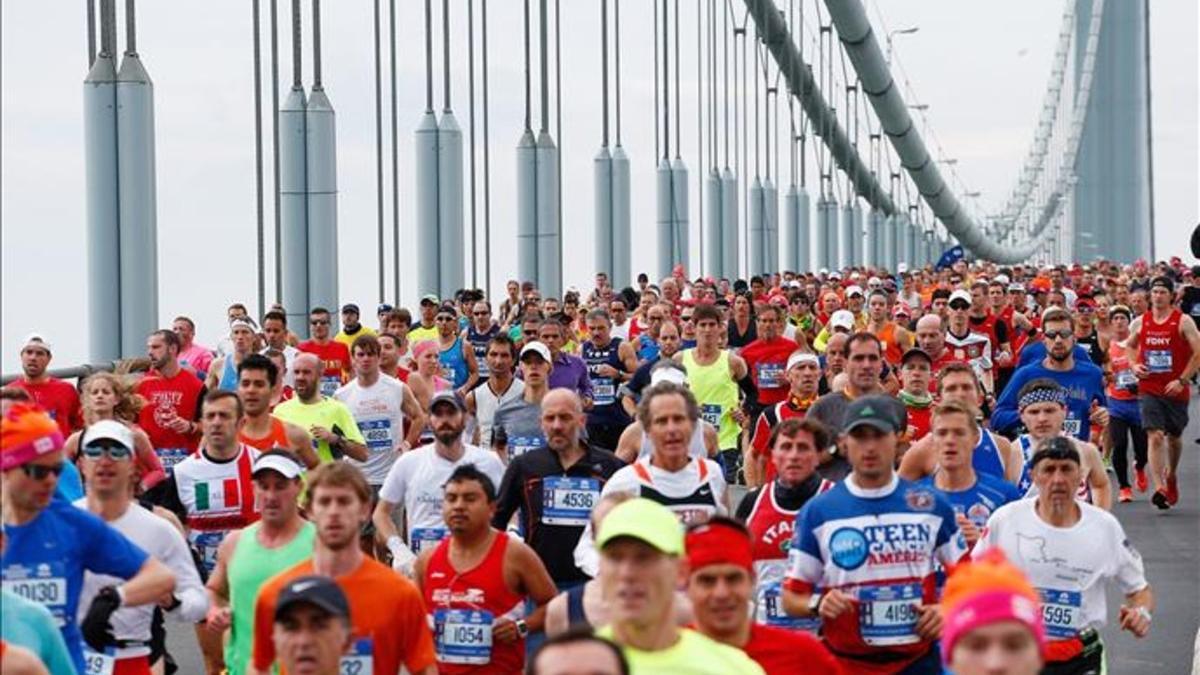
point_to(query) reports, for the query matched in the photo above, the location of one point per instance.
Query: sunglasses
(112, 449)
(1055, 334)
(319, 322)
(686, 317)
(444, 318)
(481, 313)
(960, 305)
(40, 472)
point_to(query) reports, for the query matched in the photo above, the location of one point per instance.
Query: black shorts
(1163, 414)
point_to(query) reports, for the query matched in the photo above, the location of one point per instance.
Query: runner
(669, 344)
(985, 322)
(715, 376)
(931, 339)
(741, 329)
(618, 311)
(399, 322)
(108, 397)
(1043, 411)
(248, 557)
(915, 370)
(479, 334)
(312, 626)
(864, 364)
(517, 423)
(477, 581)
(1125, 418)
(388, 628)
(635, 442)
(769, 513)
(334, 356)
(327, 420)
(389, 358)
(427, 328)
(555, 488)
(174, 398)
(107, 462)
(1070, 551)
(570, 371)
(280, 392)
(257, 378)
(191, 355)
(500, 387)
(1083, 381)
(49, 544)
(223, 374)
(352, 329)
(647, 339)
(967, 345)
(212, 493)
(642, 561)
(1164, 347)
(416, 479)
(721, 586)
(803, 374)
(895, 338)
(425, 380)
(993, 622)
(59, 399)
(564, 654)
(870, 545)
(275, 334)
(454, 353)
(610, 362)
(693, 488)
(841, 321)
(25, 624)
(767, 357)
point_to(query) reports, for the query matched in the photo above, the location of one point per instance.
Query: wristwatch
(814, 602)
(522, 627)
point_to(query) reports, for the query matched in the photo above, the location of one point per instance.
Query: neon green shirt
(329, 413)
(692, 654)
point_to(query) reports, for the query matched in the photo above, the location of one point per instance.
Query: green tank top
(250, 566)
(717, 394)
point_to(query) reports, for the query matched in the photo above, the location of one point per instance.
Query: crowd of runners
(857, 471)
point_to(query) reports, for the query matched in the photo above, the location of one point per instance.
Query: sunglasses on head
(113, 449)
(40, 471)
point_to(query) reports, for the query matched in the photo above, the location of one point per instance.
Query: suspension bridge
(792, 109)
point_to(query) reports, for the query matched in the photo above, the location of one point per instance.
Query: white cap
(835, 275)
(668, 374)
(108, 429)
(902, 267)
(855, 276)
(36, 340)
(842, 319)
(1002, 278)
(823, 271)
(802, 357)
(242, 323)
(853, 290)
(277, 460)
(1016, 287)
(960, 294)
(535, 347)
(793, 284)
(874, 282)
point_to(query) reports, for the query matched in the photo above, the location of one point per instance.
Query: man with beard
(257, 377)
(333, 355)
(56, 397)
(173, 401)
(388, 626)
(327, 420)
(501, 387)
(556, 487)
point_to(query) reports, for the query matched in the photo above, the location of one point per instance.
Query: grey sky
(980, 66)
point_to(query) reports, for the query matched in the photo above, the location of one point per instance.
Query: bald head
(562, 419)
(931, 336)
(306, 371)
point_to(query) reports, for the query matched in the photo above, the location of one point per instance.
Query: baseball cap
(902, 267)
(915, 353)
(108, 429)
(383, 307)
(535, 347)
(36, 340)
(318, 591)
(668, 371)
(842, 319)
(646, 521)
(280, 461)
(430, 299)
(854, 289)
(802, 357)
(446, 396)
(1016, 288)
(875, 411)
(1001, 278)
(27, 433)
(350, 307)
(960, 294)
(901, 309)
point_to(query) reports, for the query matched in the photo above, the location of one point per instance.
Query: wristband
(395, 543)
(1145, 613)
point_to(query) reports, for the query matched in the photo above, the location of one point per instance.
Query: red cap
(716, 543)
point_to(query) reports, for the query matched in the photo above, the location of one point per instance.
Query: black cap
(383, 308)
(915, 353)
(1057, 447)
(350, 307)
(318, 591)
(880, 412)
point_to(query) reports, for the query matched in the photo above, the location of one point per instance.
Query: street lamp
(892, 34)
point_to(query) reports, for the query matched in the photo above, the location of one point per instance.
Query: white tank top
(695, 445)
(486, 403)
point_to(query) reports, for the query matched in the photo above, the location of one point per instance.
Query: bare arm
(630, 443)
(382, 519)
(710, 440)
(151, 582)
(301, 444)
(557, 620)
(412, 410)
(213, 378)
(918, 461)
(1013, 461)
(737, 367)
(1187, 327)
(628, 357)
(1097, 477)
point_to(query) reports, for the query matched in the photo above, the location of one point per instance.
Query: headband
(1043, 395)
(717, 543)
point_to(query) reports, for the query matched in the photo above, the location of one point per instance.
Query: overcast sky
(981, 67)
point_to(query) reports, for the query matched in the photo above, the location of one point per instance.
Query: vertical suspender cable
(471, 111)
(275, 148)
(395, 159)
(700, 126)
(604, 73)
(378, 148)
(622, 247)
(558, 130)
(654, 32)
(679, 174)
(428, 179)
(258, 163)
(678, 100)
(602, 164)
(544, 65)
(316, 8)
(487, 186)
(617, 65)
(91, 31)
(746, 134)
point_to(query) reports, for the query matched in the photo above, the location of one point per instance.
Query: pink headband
(424, 346)
(24, 453)
(987, 608)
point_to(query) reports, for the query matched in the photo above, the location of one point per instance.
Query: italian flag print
(217, 495)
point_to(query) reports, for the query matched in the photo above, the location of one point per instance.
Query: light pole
(891, 36)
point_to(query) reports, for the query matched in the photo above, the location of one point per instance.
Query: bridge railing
(80, 373)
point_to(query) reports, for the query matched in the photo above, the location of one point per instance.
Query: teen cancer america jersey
(878, 546)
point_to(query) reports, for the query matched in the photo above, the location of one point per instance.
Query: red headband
(718, 543)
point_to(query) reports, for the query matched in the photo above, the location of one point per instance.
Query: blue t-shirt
(979, 501)
(29, 625)
(70, 487)
(1084, 384)
(44, 561)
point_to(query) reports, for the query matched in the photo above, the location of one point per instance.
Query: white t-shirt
(289, 357)
(158, 538)
(694, 493)
(377, 411)
(1067, 565)
(416, 481)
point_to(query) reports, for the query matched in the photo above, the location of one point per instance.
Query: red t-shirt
(57, 398)
(168, 397)
(767, 362)
(782, 652)
(767, 419)
(336, 359)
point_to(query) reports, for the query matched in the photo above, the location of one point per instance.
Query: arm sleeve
(193, 600)
(1005, 418)
(746, 384)
(1001, 332)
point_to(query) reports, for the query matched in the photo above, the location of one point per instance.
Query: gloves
(96, 626)
(402, 557)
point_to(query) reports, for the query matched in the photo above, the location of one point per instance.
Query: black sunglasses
(1055, 334)
(319, 322)
(40, 472)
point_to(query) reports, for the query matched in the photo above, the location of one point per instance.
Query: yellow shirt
(329, 413)
(692, 654)
(420, 334)
(348, 340)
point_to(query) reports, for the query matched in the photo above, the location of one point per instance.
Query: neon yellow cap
(646, 520)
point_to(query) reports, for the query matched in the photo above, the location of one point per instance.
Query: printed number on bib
(1126, 379)
(423, 538)
(711, 413)
(887, 615)
(464, 636)
(569, 501)
(95, 663)
(1071, 427)
(1158, 360)
(378, 434)
(770, 375)
(360, 660)
(1062, 612)
(604, 392)
(45, 583)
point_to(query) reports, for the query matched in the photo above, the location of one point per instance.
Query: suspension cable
(487, 185)
(275, 149)
(378, 144)
(258, 162)
(395, 157)
(471, 113)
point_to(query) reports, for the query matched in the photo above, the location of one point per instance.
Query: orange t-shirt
(384, 607)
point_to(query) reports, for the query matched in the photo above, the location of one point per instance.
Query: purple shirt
(570, 372)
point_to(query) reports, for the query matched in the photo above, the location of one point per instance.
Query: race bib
(378, 435)
(1126, 379)
(45, 583)
(604, 392)
(887, 615)
(423, 538)
(208, 543)
(171, 456)
(360, 660)
(450, 372)
(1062, 612)
(1158, 360)
(1071, 427)
(95, 663)
(569, 501)
(711, 413)
(463, 636)
(330, 384)
(769, 610)
(770, 375)
(519, 445)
